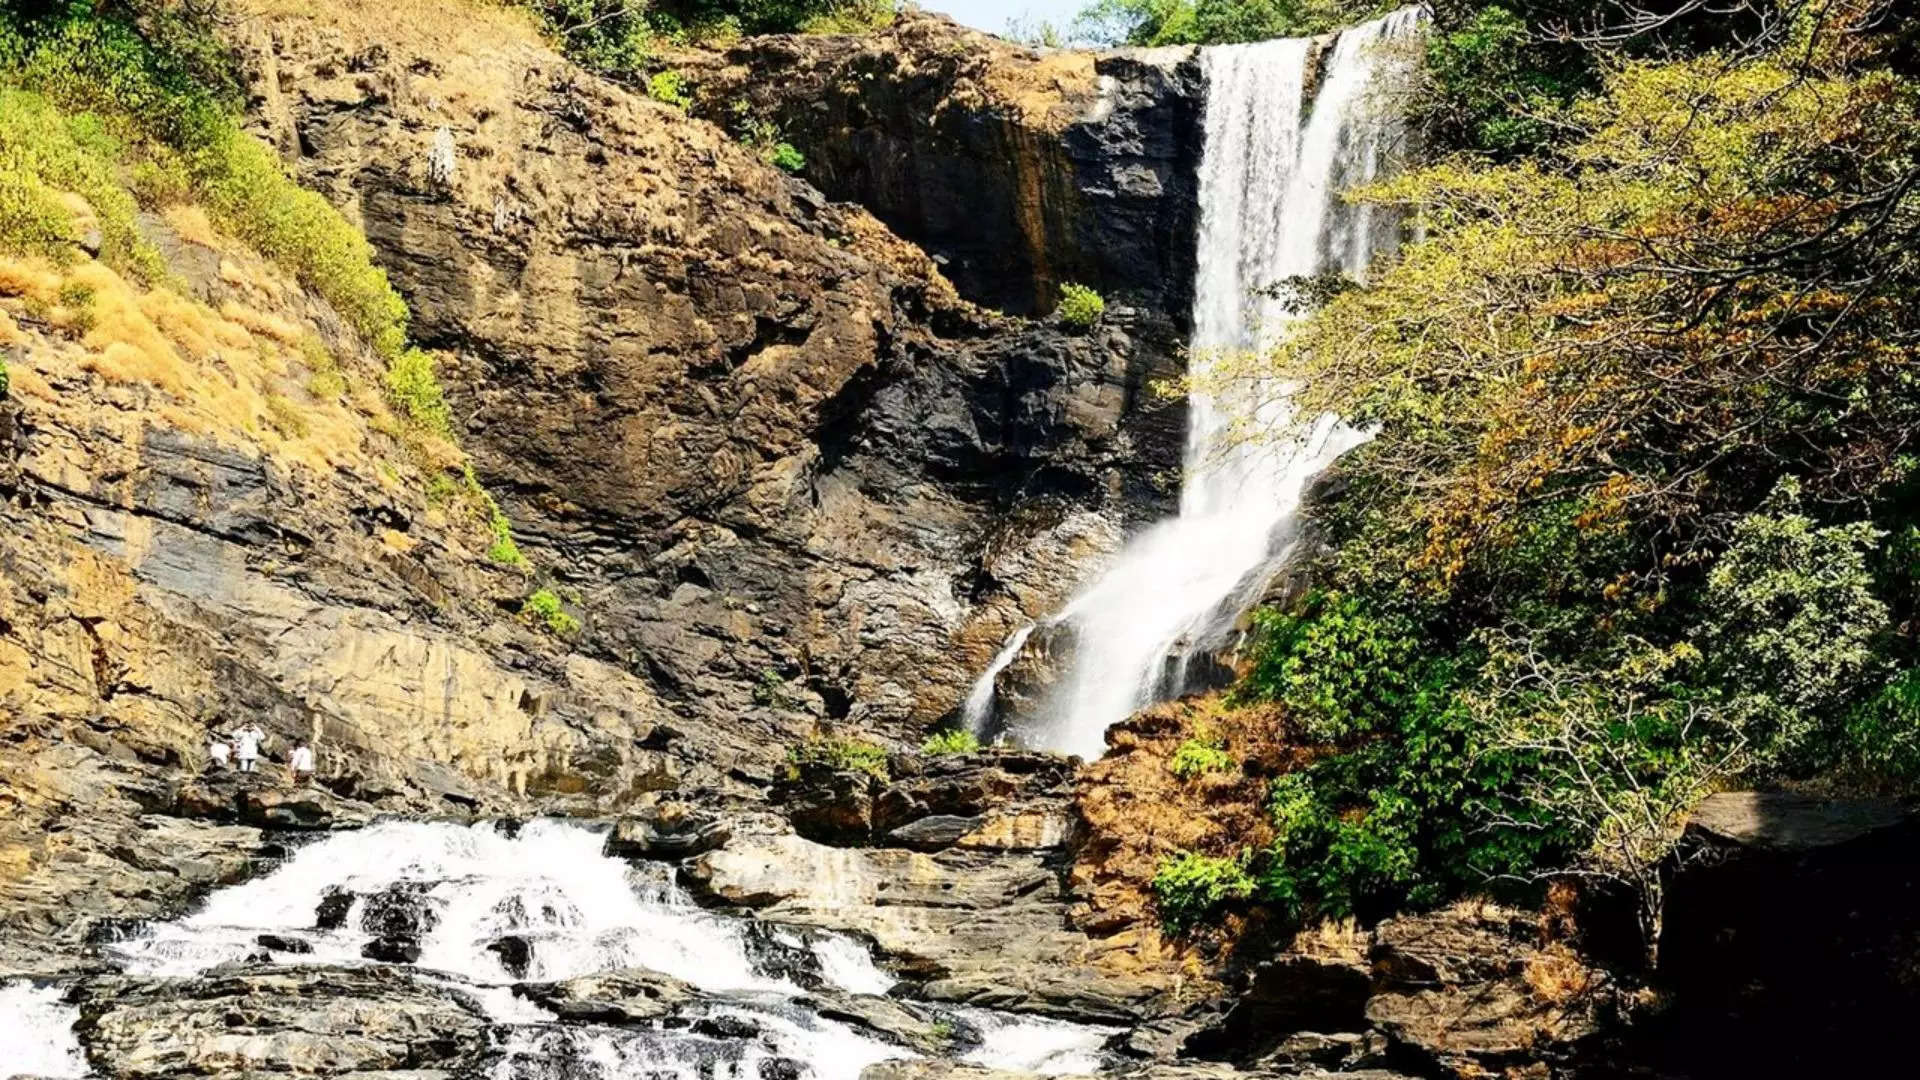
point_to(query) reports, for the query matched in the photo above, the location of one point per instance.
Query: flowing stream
(1280, 146)
(490, 908)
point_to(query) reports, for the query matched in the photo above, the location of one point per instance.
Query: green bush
(1196, 756)
(771, 690)
(1189, 887)
(413, 380)
(543, 607)
(786, 157)
(5, 382)
(956, 741)
(670, 87)
(856, 755)
(1080, 307)
(612, 37)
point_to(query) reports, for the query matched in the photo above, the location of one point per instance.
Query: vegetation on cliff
(131, 107)
(1639, 520)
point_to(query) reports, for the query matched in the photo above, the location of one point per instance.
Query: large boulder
(1791, 943)
(318, 1022)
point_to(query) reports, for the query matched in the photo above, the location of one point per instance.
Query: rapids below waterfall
(457, 893)
(1280, 146)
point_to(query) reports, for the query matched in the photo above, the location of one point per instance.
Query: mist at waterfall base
(1279, 149)
(580, 912)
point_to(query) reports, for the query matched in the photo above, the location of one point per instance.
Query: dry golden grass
(190, 223)
(1557, 975)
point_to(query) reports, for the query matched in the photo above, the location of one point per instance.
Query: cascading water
(36, 1034)
(1279, 148)
(459, 893)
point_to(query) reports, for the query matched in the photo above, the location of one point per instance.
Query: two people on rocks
(243, 747)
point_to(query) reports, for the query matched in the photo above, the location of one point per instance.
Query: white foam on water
(548, 884)
(36, 1034)
(1036, 1044)
(847, 964)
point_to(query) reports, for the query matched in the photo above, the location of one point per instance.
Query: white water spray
(1274, 161)
(578, 912)
(36, 1033)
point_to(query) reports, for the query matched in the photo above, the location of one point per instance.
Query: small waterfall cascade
(460, 894)
(1281, 144)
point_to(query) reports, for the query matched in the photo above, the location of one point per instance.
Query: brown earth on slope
(1135, 812)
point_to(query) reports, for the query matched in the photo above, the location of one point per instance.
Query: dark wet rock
(781, 1069)
(783, 952)
(727, 1026)
(1021, 170)
(392, 950)
(633, 996)
(402, 911)
(672, 831)
(324, 1022)
(515, 954)
(831, 806)
(335, 905)
(284, 943)
(1325, 991)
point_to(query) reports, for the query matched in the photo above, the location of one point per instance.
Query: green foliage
(669, 87)
(1639, 519)
(695, 18)
(847, 754)
(1218, 22)
(955, 741)
(413, 380)
(764, 136)
(1791, 620)
(785, 157)
(1197, 756)
(1190, 887)
(771, 690)
(1080, 307)
(543, 607)
(324, 380)
(1492, 86)
(44, 151)
(503, 549)
(151, 107)
(5, 382)
(612, 37)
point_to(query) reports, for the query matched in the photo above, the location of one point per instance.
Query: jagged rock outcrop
(759, 435)
(1020, 169)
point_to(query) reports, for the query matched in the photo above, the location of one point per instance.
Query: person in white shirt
(246, 746)
(219, 752)
(300, 765)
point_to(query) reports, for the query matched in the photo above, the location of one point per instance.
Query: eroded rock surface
(760, 435)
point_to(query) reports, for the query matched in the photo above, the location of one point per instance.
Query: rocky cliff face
(1018, 169)
(783, 473)
(762, 437)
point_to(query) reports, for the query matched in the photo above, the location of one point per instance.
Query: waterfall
(1280, 146)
